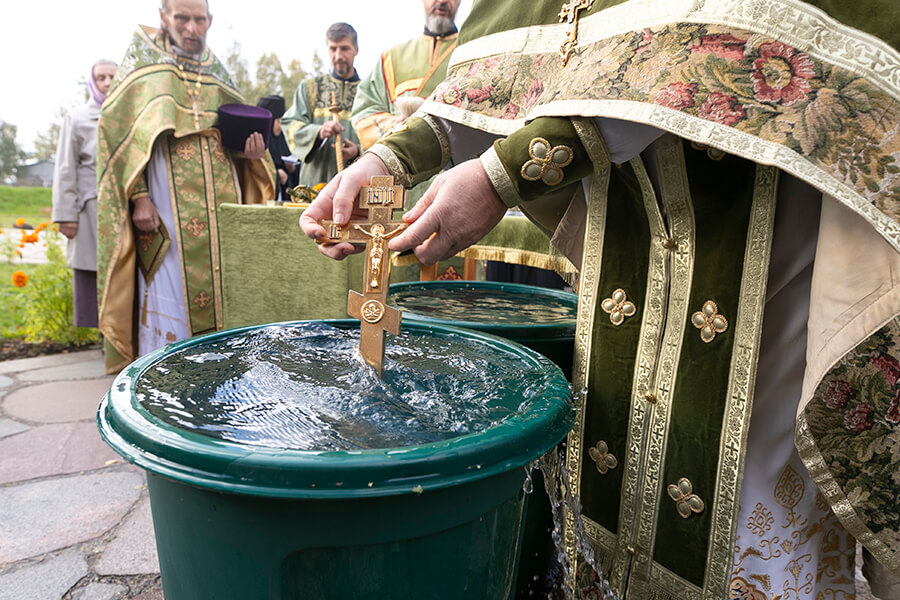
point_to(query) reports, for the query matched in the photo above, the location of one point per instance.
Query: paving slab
(9, 427)
(5, 381)
(53, 450)
(57, 402)
(51, 360)
(45, 580)
(89, 369)
(49, 515)
(101, 591)
(133, 551)
(151, 595)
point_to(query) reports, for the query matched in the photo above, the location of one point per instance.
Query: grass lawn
(10, 317)
(31, 204)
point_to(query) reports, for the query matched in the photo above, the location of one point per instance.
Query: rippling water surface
(484, 305)
(304, 387)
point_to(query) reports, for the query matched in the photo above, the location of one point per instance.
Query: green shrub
(45, 302)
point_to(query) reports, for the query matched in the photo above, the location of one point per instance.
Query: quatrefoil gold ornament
(618, 307)
(709, 321)
(546, 162)
(600, 455)
(686, 501)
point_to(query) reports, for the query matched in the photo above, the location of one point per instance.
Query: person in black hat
(288, 171)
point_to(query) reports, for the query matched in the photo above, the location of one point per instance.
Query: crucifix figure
(381, 197)
(569, 14)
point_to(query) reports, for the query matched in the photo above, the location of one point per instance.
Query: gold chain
(195, 93)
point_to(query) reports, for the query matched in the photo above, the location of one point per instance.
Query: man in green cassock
(309, 124)
(405, 75)
(722, 180)
(162, 171)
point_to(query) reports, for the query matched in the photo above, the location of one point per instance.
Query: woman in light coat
(75, 192)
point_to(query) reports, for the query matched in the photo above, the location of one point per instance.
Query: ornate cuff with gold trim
(500, 179)
(545, 155)
(441, 135)
(395, 165)
(418, 146)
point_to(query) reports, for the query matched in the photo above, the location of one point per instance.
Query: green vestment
(301, 124)
(161, 98)
(672, 277)
(408, 70)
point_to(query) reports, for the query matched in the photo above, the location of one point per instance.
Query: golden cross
(381, 197)
(569, 14)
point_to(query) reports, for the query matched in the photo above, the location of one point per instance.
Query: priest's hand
(349, 151)
(255, 146)
(145, 216)
(68, 229)
(329, 128)
(337, 201)
(459, 209)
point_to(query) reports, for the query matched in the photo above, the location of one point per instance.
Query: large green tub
(433, 520)
(542, 319)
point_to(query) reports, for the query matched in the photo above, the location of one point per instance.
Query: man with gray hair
(310, 127)
(163, 171)
(405, 74)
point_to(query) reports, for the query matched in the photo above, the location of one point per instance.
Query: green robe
(408, 70)
(301, 124)
(670, 314)
(152, 101)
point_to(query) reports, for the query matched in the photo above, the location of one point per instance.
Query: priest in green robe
(310, 125)
(162, 172)
(721, 180)
(405, 75)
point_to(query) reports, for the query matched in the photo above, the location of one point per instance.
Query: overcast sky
(47, 48)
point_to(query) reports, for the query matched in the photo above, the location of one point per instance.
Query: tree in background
(45, 143)
(271, 77)
(10, 153)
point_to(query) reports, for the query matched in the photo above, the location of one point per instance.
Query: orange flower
(19, 279)
(55, 228)
(20, 221)
(19, 252)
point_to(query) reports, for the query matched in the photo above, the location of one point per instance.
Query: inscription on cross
(381, 197)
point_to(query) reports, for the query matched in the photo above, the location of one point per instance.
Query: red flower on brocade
(512, 111)
(889, 367)
(723, 45)
(478, 95)
(452, 96)
(893, 412)
(838, 393)
(492, 62)
(646, 37)
(677, 95)
(859, 418)
(780, 74)
(474, 69)
(721, 108)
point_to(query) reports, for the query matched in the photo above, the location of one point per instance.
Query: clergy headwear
(238, 121)
(273, 104)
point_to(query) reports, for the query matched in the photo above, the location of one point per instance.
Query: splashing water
(304, 387)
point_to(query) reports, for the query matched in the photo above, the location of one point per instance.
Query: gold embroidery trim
(590, 137)
(741, 381)
(618, 307)
(595, 230)
(500, 179)
(440, 134)
(546, 162)
(709, 321)
(394, 164)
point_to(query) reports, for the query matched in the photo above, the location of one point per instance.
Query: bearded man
(162, 173)
(406, 74)
(309, 124)
(723, 178)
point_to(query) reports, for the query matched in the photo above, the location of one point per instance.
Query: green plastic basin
(435, 520)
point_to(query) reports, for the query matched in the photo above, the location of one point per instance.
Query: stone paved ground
(75, 519)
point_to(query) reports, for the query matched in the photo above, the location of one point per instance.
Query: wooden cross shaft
(381, 198)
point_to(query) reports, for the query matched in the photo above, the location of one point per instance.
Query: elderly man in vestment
(75, 193)
(162, 173)
(722, 178)
(309, 124)
(405, 75)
